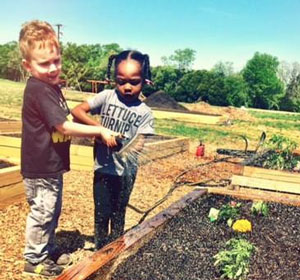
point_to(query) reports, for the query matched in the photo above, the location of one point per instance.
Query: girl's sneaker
(60, 258)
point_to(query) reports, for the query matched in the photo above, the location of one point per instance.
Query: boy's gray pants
(44, 196)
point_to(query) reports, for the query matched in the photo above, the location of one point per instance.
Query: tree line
(263, 83)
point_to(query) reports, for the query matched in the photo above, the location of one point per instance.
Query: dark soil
(4, 164)
(184, 249)
(160, 99)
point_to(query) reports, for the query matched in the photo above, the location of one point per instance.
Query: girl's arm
(79, 113)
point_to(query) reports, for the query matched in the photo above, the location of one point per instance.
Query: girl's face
(129, 79)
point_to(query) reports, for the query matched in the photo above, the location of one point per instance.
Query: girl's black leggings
(111, 196)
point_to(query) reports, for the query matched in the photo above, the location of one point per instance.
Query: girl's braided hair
(143, 59)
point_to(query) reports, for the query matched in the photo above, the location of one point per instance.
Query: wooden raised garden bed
(10, 127)
(180, 242)
(81, 159)
(11, 185)
(262, 178)
(82, 156)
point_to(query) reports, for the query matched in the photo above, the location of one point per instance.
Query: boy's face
(129, 79)
(44, 64)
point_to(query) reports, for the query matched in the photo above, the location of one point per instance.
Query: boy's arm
(93, 128)
(76, 129)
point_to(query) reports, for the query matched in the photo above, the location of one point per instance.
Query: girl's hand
(108, 137)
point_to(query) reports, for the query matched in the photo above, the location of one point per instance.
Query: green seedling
(260, 208)
(229, 212)
(233, 262)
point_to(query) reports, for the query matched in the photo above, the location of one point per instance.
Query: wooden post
(95, 84)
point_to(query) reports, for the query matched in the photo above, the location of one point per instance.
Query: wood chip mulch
(75, 231)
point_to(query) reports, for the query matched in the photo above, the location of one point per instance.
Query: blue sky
(218, 30)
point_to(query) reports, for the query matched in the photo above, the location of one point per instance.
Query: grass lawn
(287, 124)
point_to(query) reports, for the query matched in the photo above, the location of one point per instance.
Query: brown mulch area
(75, 231)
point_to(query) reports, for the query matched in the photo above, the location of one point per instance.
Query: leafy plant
(260, 208)
(234, 261)
(229, 212)
(280, 153)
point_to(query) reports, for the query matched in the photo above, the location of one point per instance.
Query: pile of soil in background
(230, 113)
(184, 249)
(160, 99)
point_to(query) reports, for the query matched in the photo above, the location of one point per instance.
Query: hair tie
(149, 82)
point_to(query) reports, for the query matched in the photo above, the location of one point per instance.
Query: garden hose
(177, 184)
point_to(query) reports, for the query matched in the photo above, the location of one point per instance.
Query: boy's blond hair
(36, 34)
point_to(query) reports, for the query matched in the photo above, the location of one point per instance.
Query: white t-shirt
(119, 115)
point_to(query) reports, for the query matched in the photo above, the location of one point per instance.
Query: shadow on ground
(71, 241)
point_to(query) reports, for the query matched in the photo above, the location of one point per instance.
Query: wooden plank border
(11, 186)
(10, 127)
(81, 157)
(256, 194)
(264, 173)
(268, 179)
(273, 185)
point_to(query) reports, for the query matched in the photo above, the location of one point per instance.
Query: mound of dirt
(230, 113)
(160, 99)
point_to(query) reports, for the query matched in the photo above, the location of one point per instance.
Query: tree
(235, 90)
(187, 89)
(15, 70)
(11, 62)
(291, 100)
(181, 59)
(264, 87)
(165, 78)
(288, 72)
(201, 85)
(86, 62)
(225, 68)
(215, 89)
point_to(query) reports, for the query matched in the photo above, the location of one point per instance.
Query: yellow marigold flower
(242, 225)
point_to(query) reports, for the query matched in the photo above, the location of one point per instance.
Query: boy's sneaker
(60, 258)
(46, 268)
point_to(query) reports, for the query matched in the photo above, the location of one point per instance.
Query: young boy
(45, 146)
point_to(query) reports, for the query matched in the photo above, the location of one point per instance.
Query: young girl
(121, 111)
